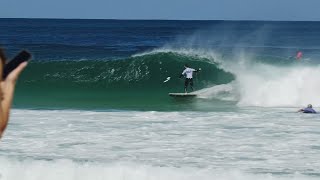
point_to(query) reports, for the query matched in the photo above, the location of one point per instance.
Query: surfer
(188, 73)
(299, 55)
(6, 91)
(308, 109)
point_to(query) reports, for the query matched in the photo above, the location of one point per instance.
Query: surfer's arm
(7, 92)
(182, 74)
(197, 70)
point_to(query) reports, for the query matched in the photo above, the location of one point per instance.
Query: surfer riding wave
(188, 73)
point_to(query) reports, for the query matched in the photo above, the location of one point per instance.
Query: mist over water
(266, 74)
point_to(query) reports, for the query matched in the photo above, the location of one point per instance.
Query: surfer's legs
(186, 82)
(191, 84)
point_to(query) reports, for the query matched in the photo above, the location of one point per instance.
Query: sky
(287, 10)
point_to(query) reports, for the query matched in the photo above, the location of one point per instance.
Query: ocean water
(93, 103)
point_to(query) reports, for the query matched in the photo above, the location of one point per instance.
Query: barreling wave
(138, 81)
(92, 83)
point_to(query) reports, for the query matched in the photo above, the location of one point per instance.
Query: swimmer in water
(308, 109)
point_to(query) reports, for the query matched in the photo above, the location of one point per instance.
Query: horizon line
(116, 19)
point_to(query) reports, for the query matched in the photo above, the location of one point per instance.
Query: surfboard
(182, 95)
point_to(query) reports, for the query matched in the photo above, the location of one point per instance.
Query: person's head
(309, 106)
(186, 65)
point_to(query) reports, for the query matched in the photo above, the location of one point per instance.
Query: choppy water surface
(271, 143)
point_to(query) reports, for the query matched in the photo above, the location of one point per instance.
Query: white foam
(223, 92)
(246, 140)
(211, 56)
(70, 170)
(270, 86)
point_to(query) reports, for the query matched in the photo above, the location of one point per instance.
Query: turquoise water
(135, 83)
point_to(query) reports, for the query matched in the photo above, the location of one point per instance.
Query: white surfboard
(182, 94)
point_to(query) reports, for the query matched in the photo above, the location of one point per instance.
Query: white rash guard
(188, 72)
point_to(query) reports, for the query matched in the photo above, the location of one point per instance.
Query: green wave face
(132, 83)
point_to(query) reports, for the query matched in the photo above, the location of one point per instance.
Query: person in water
(299, 55)
(7, 87)
(308, 109)
(188, 73)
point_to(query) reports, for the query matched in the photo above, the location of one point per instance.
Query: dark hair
(186, 65)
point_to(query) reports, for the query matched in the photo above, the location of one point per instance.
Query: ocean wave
(242, 79)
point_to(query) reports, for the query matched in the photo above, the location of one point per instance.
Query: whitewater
(248, 143)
